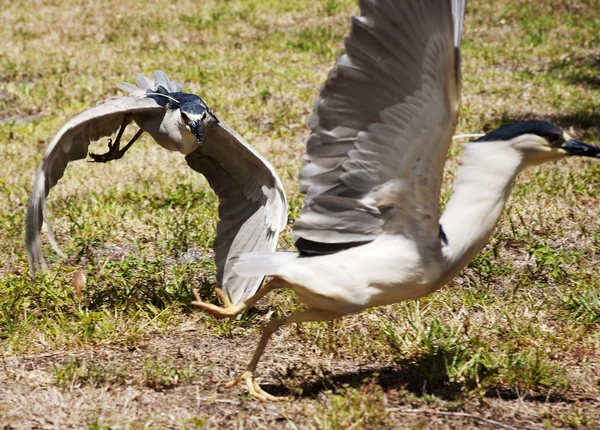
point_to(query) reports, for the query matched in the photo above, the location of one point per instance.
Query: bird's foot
(254, 389)
(113, 153)
(227, 310)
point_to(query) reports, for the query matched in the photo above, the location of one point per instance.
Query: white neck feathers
(481, 189)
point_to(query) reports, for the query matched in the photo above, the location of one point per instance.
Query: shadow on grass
(116, 292)
(409, 378)
(584, 71)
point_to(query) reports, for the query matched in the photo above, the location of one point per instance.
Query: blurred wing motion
(252, 204)
(381, 127)
(71, 143)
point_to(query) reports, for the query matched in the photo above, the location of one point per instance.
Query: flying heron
(370, 231)
(252, 204)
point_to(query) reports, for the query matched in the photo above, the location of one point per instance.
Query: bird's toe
(228, 310)
(257, 392)
(224, 298)
(254, 389)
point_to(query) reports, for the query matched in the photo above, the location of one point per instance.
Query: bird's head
(541, 141)
(197, 118)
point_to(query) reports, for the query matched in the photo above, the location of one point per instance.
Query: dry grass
(513, 341)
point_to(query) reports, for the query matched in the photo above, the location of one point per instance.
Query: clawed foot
(254, 389)
(112, 154)
(227, 310)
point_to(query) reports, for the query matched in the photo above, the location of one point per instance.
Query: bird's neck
(481, 189)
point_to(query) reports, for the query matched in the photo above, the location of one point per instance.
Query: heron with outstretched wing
(252, 204)
(370, 231)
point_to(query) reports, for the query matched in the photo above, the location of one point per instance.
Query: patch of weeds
(316, 41)
(185, 195)
(442, 354)
(362, 408)
(194, 423)
(134, 279)
(331, 7)
(485, 264)
(577, 418)
(265, 95)
(163, 375)
(530, 370)
(584, 306)
(552, 261)
(295, 207)
(77, 372)
(97, 425)
(536, 27)
(452, 359)
(194, 21)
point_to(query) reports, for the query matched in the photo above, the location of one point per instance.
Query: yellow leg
(228, 310)
(253, 388)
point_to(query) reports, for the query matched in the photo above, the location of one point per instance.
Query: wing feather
(382, 125)
(71, 143)
(252, 204)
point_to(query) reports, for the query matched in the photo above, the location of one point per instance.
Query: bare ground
(125, 394)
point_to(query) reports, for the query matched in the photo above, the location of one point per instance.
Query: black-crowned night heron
(252, 205)
(370, 232)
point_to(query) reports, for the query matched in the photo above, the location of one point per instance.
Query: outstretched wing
(381, 127)
(252, 205)
(71, 143)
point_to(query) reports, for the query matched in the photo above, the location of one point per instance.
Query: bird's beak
(198, 129)
(577, 147)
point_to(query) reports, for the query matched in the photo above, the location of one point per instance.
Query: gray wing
(71, 143)
(252, 204)
(382, 125)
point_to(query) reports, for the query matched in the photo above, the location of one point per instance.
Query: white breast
(390, 269)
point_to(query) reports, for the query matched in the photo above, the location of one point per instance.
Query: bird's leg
(113, 147)
(114, 153)
(228, 310)
(248, 376)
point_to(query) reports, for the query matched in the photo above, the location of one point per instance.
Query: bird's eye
(203, 116)
(555, 138)
(185, 117)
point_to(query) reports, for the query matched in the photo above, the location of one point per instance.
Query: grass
(513, 339)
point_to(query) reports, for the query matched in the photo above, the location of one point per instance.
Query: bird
(252, 203)
(370, 231)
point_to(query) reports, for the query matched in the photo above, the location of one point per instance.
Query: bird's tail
(263, 263)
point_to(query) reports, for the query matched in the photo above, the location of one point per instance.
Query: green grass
(514, 338)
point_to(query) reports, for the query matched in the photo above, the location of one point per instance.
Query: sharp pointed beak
(577, 147)
(198, 130)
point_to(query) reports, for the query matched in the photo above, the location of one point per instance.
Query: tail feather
(263, 263)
